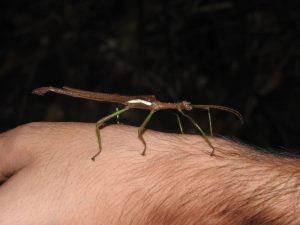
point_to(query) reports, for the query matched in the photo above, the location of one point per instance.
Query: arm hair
(239, 185)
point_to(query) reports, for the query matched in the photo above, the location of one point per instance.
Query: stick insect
(146, 102)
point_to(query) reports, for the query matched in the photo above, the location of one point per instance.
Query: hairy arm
(48, 178)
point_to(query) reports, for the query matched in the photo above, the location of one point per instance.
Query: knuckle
(25, 136)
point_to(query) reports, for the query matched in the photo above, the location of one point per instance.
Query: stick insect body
(146, 102)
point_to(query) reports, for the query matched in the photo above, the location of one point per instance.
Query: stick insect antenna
(223, 108)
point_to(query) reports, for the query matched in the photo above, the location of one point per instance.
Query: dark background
(241, 54)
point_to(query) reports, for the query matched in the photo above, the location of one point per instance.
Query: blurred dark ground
(240, 54)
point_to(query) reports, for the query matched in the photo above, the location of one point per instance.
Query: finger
(15, 150)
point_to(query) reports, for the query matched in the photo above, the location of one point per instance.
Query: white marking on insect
(140, 101)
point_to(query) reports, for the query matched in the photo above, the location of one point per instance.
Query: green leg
(179, 122)
(118, 116)
(210, 125)
(142, 129)
(99, 124)
(200, 130)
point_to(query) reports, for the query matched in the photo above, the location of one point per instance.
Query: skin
(48, 178)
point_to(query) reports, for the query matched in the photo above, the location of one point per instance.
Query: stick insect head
(185, 105)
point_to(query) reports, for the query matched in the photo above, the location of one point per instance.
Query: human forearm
(185, 185)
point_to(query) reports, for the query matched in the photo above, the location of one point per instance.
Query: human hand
(50, 179)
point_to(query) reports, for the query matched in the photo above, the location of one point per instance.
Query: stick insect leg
(200, 130)
(99, 124)
(118, 116)
(210, 124)
(179, 122)
(142, 129)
